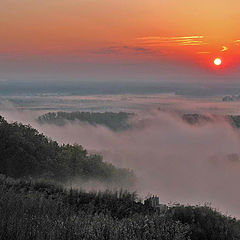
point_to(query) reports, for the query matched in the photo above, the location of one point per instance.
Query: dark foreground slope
(24, 152)
(38, 210)
(44, 211)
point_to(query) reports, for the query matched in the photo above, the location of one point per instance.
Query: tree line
(114, 121)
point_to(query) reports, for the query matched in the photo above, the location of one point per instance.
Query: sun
(217, 61)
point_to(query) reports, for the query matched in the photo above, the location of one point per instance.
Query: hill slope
(27, 153)
(40, 210)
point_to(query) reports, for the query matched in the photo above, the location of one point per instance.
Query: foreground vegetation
(40, 210)
(34, 209)
(27, 153)
(111, 120)
(45, 211)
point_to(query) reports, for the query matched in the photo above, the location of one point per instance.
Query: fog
(177, 161)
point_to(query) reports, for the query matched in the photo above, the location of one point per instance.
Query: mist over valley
(182, 149)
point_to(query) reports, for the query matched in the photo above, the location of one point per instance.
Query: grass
(42, 211)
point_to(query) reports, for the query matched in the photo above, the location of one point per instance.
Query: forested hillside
(27, 153)
(114, 121)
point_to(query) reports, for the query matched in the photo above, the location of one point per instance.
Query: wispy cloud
(123, 49)
(237, 42)
(204, 52)
(224, 49)
(108, 50)
(172, 41)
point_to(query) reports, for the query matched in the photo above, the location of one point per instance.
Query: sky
(154, 40)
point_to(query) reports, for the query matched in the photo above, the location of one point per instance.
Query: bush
(206, 223)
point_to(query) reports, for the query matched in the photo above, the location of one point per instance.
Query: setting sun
(217, 61)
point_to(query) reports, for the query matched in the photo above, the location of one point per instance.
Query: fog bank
(178, 162)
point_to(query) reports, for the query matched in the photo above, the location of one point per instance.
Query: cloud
(224, 49)
(108, 50)
(172, 41)
(124, 49)
(203, 52)
(236, 42)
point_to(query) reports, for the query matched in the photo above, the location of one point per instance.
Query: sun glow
(217, 61)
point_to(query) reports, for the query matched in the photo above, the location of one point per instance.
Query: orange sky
(124, 29)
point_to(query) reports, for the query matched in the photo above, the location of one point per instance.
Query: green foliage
(234, 120)
(195, 118)
(118, 204)
(114, 121)
(206, 223)
(36, 214)
(42, 210)
(200, 119)
(26, 153)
